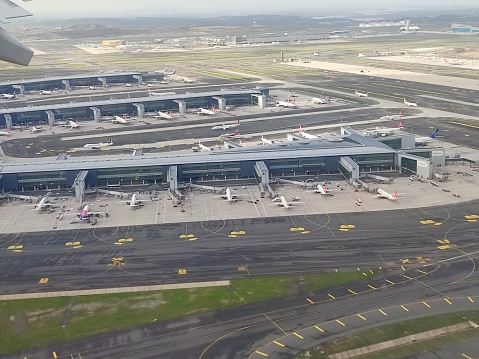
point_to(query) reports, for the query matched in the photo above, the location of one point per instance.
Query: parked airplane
(121, 120)
(134, 202)
(321, 189)
(320, 100)
(7, 96)
(391, 117)
(36, 129)
(45, 92)
(165, 72)
(384, 194)
(153, 93)
(204, 148)
(229, 196)
(360, 94)
(282, 202)
(303, 133)
(422, 140)
(85, 213)
(5, 133)
(286, 104)
(168, 116)
(236, 133)
(204, 111)
(454, 62)
(265, 141)
(407, 103)
(189, 80)
(385, 131)
(71, 124)
(226, 126)
(97, 146)
(316, 53)
(40, 206)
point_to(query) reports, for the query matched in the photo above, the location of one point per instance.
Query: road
(388, 239)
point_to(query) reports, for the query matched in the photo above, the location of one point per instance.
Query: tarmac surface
(396, 241)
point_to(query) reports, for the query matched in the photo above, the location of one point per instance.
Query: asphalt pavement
(406, 250)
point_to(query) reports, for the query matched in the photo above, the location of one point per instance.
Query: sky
(107, 8)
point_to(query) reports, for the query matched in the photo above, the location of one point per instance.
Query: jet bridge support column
(173, 192)
(138, 78)
(140, 109)
(67, 84)
(20, 88)
(221, 103)
(263, 173)
(261, 100)
(103, 82)
(96, 114)
(8, 122)
(79, 186)
(181, 106)
(51, 118)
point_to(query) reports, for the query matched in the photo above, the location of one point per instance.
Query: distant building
(460, 28)
(113, 42)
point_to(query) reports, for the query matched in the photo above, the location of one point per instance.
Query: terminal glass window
(409, 164)
(42, 180)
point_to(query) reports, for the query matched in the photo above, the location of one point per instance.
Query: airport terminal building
(351, 155)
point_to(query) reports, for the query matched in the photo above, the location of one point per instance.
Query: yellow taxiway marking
(182, 236)
(427, 305)
(340, 322)
(447, 301)
(420, 271)
(404, 261)
(352, 291)
(403, 307)
(43, 281)
(241, 232)
(261, 353)
(382, 311)
(405, 276)
(360, 316)
(466, 356)
(299, 229)
(299, 336)
(321, 330)
(472, 216)
(278, 343)
(293, 229)
(232, 236)
(470, 299)
(389, 281)
(359, 269)
(193, 239)
(54, 355)
(181, 271)
(344, 229)
(305, 232)
(310, 301)
(190, 235)
(331, 296)
(402, 267)
(365, 274)
(370, 286)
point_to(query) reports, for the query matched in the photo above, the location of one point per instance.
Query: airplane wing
(12, 50)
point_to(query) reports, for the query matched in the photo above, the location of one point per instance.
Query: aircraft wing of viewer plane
(12, 50)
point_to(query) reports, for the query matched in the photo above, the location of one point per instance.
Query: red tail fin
(401, 125)
(238, 122)
(171, 112)
(301, 129)
(395, 194)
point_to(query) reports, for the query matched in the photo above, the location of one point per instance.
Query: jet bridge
(262, 172)
(349, 169)
(79, 185)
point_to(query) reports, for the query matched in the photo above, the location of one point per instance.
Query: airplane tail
(401, 125)
(405, 100)
(238, 122)
(240, 143)
(171, 112)
(400, 113)
(294, 102)
(395, 194)
(434, 134)
(301, 129)
(110, 142)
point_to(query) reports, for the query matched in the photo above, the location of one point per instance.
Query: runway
(396, 241)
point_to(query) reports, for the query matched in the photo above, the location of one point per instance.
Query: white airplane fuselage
(384, 194)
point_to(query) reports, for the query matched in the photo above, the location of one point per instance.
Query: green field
(28, 323)
(398, 330)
